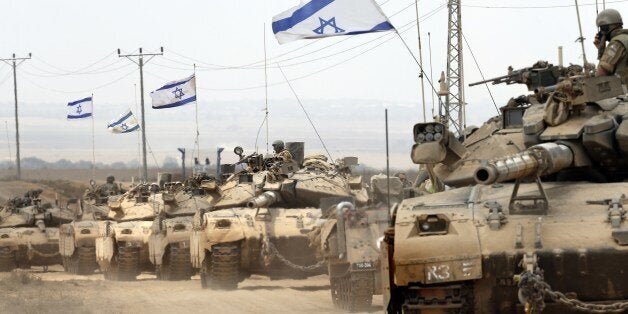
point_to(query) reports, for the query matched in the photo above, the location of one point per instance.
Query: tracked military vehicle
(349, 242)
(261, 220)
(77, 239)
(535, 219)
(169, 243)
(29, 232)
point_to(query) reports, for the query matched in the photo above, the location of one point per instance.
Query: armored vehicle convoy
(262, 218)
(535, 222)
(29, 232)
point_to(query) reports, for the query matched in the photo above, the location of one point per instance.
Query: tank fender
(197, 250)
(105, 244)
(327, 229)
(66, 240)
(156, 248)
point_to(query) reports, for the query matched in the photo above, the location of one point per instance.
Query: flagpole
(266, 86)
(93, 144)
(198, 147)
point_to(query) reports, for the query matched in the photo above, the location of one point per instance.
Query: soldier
(110, 188)
(281, 152)
(613, 58)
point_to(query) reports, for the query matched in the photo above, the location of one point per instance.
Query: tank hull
(24, 247)
(476, 261)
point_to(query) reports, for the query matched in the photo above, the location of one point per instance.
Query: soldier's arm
(608, 62)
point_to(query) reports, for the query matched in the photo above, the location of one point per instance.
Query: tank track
(353, 291)
(7, 260)
(82, 262)
(125, 266)
(221, 269)
(177, 265)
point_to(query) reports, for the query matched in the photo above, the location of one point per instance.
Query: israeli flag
(175, 94)
(126, 123)
(80, 109)
(324, 18)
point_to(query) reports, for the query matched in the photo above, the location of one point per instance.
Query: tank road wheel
(82, 262)
(354, 291)
(176, 265)
(7, 260)
(125, 265)
(221, 269)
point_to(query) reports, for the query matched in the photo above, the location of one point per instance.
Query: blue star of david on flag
(324, 23)
(80, 109)
(325, 18)
(178, 93)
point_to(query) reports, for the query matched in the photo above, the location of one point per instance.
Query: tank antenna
(581, 38)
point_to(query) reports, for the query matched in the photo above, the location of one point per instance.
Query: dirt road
(58, 292)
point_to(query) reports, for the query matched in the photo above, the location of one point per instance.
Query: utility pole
(15, 61)
(454, 102)
(140, 62)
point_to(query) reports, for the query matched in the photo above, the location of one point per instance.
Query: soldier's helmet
(278, 145)
(110, 179)
(608, 17)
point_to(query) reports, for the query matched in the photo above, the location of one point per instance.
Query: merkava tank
(77, 239)
(260, 222)
(169, 243)
(147, 229)
(29, 232)
(349, 241)
(536, 217)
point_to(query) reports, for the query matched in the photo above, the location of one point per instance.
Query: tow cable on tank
(533, 289)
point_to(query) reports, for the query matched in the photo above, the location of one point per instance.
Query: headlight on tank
(223, 224)
(4, 236)
(85, 231)
(432, 224)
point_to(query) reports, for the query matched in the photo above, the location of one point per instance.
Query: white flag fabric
(175, 94)
(126, 123)
(324, 18)
(80, 109)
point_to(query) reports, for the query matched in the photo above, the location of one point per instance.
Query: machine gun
(539, 75)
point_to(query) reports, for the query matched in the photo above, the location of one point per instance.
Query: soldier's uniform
(614, 59)
(285, 155)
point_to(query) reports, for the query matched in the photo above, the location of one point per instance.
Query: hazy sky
(345, 82)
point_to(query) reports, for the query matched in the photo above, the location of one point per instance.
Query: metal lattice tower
(454, 102)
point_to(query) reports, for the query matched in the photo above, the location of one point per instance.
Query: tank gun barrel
(540, 159)
(263, 200)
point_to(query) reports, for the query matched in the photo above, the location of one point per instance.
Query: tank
(169, 243)
(29, 232)
(260, 222)
(349, 242)
(77, 239)
(534, 222)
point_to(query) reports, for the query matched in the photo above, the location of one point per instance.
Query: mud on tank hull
(122, 250)
(234, 238)
(24, 247)
(471, 267)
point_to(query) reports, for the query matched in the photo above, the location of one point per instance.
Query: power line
(67, 72)
(480, 70)
(535, 7)
(80, 91)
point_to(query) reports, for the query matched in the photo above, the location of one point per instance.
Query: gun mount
(541, 74)
(263, 200)
(542, 159)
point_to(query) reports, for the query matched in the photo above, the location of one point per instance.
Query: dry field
(34, 291)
